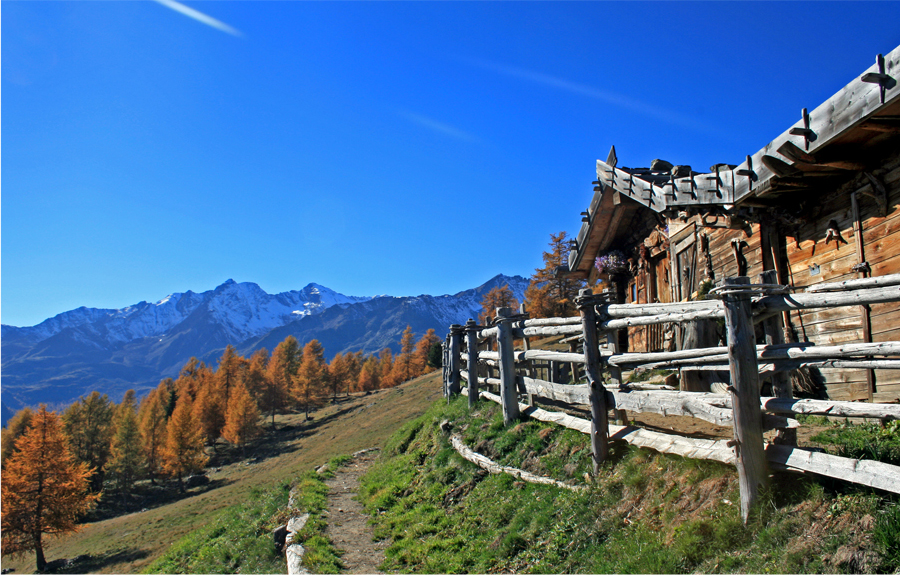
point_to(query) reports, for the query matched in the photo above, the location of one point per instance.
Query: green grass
(863, 441)
(239, 539)
(645, 512)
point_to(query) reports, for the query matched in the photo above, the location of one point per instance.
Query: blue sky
(375, 148)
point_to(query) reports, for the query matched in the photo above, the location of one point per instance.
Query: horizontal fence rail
(485, 357)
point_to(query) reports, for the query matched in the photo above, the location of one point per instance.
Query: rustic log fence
(553, 375)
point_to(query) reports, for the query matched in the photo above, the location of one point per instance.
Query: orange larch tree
(403, 364)
(338, 374)
(183, 453)
(369, 376)
(552, 293)
(497, 297)
(386, 375)
(209, 412)
(45, 490)
(242, 420)
(232, 367)
(312, 377)
(15, 428)
(423, 348)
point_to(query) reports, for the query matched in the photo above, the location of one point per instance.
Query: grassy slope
(646, 512)
(128, 543)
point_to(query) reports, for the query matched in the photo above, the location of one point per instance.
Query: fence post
(455, 337)
(507, 366)
(611, 296)
(597, 393)
(445, 365)
(781, 381)
(526, 346)
(472, 349)
(750, 455)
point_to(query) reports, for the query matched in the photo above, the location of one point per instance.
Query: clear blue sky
(375, 148)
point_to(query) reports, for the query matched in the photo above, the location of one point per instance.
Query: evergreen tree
(126, 460)
(15, 428)
(152, 420)
(242, 421)
(311, 379)
(183, 452)
(436, 355)
(88, 425)
(423, 348)
(551, 292)
(44, 490)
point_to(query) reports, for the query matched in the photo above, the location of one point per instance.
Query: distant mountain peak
(113, 350)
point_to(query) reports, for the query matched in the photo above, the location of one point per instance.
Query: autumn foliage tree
(551, 292)
(183, 452)
(403, 363)
(312, 376)
(496, 298)
(423, 349)
(15, 428)
(44, 491)
(242, 421)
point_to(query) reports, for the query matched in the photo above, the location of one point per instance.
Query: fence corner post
(472, 368)
(508, 396)
(750, 454)
(455, 337)
(597, 392)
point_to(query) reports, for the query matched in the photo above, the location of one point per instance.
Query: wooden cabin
(819, 203)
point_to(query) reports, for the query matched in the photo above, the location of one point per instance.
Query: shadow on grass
(93, 564)
(147, 496)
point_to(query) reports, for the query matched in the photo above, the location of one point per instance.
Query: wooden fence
(489, 359)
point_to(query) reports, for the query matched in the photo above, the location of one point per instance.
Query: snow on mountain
(112, 350)
(242, 309)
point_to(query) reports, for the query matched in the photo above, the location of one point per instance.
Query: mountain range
(113, 350)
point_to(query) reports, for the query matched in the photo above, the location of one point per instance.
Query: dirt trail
(348, 526)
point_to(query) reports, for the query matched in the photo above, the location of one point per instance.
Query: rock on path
(348, 526)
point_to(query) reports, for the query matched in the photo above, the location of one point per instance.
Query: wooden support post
(597, 393)
(445, 366)
(750, 455)
(455, 341)
(613, 341)
(863, 270)
(781, 381)
(507, 366)
(472, 348)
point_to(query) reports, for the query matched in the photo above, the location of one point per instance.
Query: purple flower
(611, 262)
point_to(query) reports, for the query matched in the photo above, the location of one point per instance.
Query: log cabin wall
(824, 249)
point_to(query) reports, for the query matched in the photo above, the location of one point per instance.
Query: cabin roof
(835, 141)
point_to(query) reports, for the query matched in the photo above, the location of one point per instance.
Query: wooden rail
(743, 409)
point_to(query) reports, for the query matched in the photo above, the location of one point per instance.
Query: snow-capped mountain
(112, 350)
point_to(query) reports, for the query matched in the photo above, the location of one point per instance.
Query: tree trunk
(40, 562)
